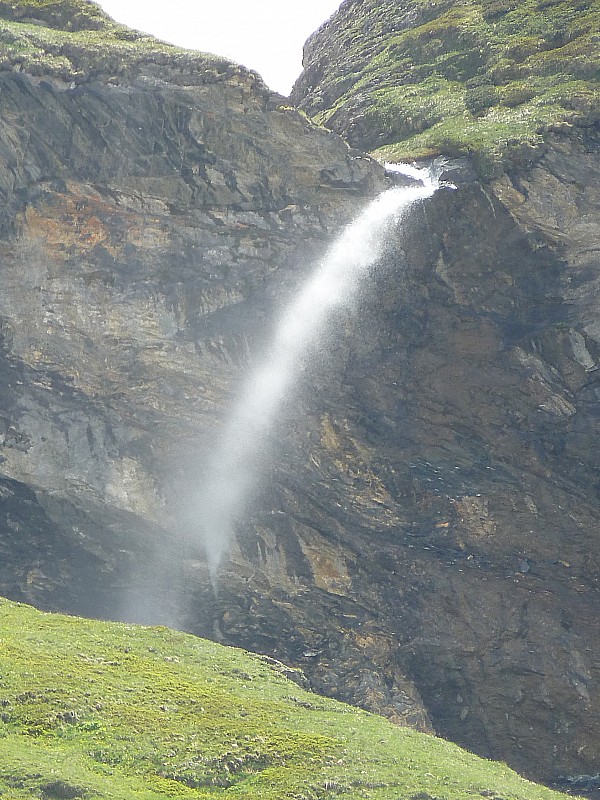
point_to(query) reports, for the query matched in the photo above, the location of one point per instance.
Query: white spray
(232, 471)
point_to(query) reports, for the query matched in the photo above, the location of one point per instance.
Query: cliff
(423, 543)
(483, 415)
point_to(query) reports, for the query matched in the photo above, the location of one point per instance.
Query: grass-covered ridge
(487, 77)
(75, 41)
(102, 710)
(61, 14)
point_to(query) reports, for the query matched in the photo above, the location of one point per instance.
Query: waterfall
(231, 471)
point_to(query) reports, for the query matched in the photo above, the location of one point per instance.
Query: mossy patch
(94, 709)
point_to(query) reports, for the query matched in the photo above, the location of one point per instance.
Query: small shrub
(522, 49)
(517, 96)
(61, 790)
(493, 9)
(480, 98)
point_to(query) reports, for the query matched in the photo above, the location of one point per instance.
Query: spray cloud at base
(233, 469)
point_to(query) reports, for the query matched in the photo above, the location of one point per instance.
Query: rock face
(423, 542)
(149, 220)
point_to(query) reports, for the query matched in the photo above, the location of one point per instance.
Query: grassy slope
(100, 709)
(76, 41)
(488, 77)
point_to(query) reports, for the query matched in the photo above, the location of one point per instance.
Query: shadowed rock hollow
(423, 542)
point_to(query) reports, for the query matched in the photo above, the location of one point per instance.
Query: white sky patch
(264, 35)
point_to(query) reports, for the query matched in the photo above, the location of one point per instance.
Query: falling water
(231, 472)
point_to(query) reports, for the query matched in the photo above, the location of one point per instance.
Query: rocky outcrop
(423, 541)
(484, 78)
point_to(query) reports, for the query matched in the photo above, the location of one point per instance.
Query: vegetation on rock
(484, 77)
(75, 15)
(95, 709)
(75, 41)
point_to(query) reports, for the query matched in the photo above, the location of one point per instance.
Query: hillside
(92, 709)
(489, 78)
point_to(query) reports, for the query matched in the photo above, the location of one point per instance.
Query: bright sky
(265, 35)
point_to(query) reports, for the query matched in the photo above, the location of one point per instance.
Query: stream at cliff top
(232, 470)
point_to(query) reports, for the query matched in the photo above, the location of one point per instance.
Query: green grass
(75, 41)
(484, 77)
(103, 710)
